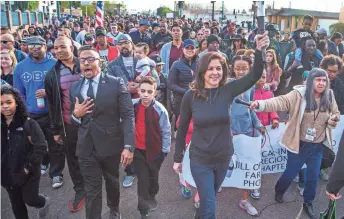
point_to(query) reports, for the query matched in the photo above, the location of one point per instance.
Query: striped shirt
(66, 80)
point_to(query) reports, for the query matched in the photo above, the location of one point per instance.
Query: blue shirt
(29, 77)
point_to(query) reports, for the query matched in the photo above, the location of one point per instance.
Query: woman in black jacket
(208, 103)
(181, 74)
(23, 146)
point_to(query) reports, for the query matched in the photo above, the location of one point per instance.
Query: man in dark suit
(142, 34)
(102, 107)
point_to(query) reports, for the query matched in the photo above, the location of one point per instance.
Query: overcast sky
(319, 5)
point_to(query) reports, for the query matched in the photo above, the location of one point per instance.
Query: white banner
(337, 134)
(244, 169)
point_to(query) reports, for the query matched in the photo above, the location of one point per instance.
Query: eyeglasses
(34, 46)
(6, 41)
(200, 34)
(241, 69)
(144, 91)
(88, 59)
(4, 58)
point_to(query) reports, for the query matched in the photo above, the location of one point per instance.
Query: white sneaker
(44, 169)
(246, 205)
(57, 181)
(255, 194)
(301, 190)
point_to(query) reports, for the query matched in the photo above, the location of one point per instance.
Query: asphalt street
(173, 206)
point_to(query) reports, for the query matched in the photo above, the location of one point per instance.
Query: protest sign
(337, 134)
(244, 170)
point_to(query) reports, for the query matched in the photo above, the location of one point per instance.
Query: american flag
(100, 13)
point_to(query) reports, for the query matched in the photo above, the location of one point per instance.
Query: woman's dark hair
(336, 35)
(331, 60)
(239, 58)
(46, 33)
(21, 113)
(213, 29)
(200, 44)
(197, 86)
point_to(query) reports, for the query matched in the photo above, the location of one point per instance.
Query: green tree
(162, 11)
(338, 27)
(26, 5)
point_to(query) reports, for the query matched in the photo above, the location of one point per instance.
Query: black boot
(308, 207)
(279, 198)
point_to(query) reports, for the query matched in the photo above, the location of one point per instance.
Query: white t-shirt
(104, 55)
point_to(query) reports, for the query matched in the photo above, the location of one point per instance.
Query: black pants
(26, 195)
(129, 170)
(70, 148)
(55, 155)
(147, 178)
(93, 168)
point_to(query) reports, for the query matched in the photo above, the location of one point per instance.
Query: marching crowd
(103, 96)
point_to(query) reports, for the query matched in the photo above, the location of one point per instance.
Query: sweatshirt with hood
(29, 77)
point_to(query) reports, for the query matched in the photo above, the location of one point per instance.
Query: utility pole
(254, 8)
(223, 11)
(213, 10)
(58, 8)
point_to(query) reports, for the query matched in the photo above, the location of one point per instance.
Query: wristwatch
(129, 148)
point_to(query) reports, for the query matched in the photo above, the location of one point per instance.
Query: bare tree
(196, 9)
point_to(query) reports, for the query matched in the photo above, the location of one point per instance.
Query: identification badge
(310, 134)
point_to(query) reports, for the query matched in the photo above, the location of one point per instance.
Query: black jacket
(111, 124)
(17, 152)
(336, 180)
(54, 96)
(180, 76)
(338, 89)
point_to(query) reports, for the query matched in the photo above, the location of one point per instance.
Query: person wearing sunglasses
(28, 78)
(102, 108)
(7, 42)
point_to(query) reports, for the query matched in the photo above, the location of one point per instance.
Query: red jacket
(113, 52)
(265, 117)
(190, 131)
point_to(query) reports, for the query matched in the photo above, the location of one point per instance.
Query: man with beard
(162, 36)
(124, 67)
(7, 42)
(107, 53)
(172, 51)
(29, 78)
(102, 108)
(57, 83)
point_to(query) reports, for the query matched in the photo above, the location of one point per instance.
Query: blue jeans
(208, 179)
(302, 177)
(311, 155)
(298, 54)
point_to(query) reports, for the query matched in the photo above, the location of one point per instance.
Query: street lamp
(180, 8)
(213, 11)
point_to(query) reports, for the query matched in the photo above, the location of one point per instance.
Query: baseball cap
(101, 32)
(35, 40)
(76, 24)
(322, 31)
(124, 37)
(88, 37)
(155, 25)
(157, 59)
(144, 22)
(189, 42)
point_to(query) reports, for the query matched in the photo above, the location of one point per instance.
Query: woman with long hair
(23, 146)
(8, 61)
(273, 71)
(238, 42)
(207, 103)
(313, 112)
(203, 45)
